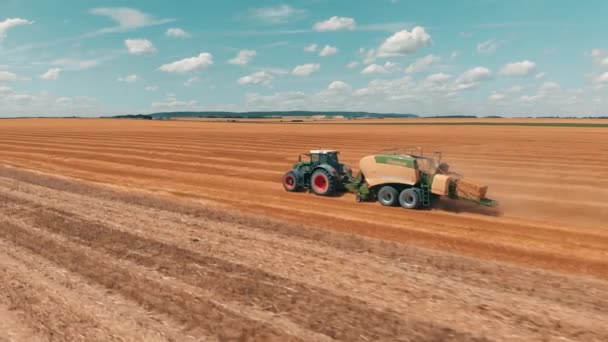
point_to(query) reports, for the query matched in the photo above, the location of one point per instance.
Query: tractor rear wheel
(322, 183)
(387, 196)
(290, 182)
(409, 199)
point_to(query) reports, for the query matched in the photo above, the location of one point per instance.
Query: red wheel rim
(290, 181)
(320, 182)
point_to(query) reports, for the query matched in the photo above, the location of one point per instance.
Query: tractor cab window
(314, 157)
(332, 159)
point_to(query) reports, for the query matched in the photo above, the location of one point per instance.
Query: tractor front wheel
(322, 183)
(290, 182)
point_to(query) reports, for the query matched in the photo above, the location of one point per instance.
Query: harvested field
(176, 231)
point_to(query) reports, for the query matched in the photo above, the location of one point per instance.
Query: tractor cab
(329, 157)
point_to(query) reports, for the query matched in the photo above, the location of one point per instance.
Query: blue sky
(482, 57)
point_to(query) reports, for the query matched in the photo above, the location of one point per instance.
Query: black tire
(387, 196)
(290, 182)
(409, 198)
(322, 183)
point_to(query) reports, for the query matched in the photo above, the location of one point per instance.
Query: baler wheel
(409, 199)
(290, 182)
(387, 196)
(322, 183)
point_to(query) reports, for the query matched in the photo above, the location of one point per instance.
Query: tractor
(320, 172)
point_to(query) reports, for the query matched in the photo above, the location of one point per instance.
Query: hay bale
(468, 189)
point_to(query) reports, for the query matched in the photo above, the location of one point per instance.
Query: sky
(476, 57)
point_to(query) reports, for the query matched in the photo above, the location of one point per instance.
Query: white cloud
(243, 57)
(75, 64)
(602, 78)
(171, 103)
(140, 47)
(338, 85)
(23, 104)
(260, 77)
(201, 61)
(328, 50)
(388, 67)
(51, 74)
(128, 79)
(191, 81)
(280, 14)
(497, 97)
(305, 69)
(311, 48)
(276, 71)
(7, 76)
(374, 69)
(454, 54)
(335, 23)
(472, 78)
(438, 78)
(490, 46)
(523, 68)
(404, 42)
(422, 64)
(127, 18)
(352, 65)
(600, 56)
(10, 23)
(176, 32)
(151, 88)
(539, 75)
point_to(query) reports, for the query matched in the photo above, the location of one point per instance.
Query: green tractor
(321, 173)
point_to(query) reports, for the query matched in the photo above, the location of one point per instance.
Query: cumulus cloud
(305, 69)
(523, 68)
(140, 47)
(191, 81)
(472, 78)
(490, 46)
(497, 97)
(539, 76)
(602, 78)
(151, 88)
(7, 76)
(201, 61)
(404, 42)
(16, 103)
(10, 23)
(328, 50)
(171, 103)
(127, 18)
(338, 85)
(422, 64)
(176, 32)
(243, 57)
(438, 78)
(600, 56)
(311, 48)
(128, 79)
(75, 64)
(51, 74)
(352, 65)
(335, 24)
(260, 77)
(280, 14)
(388, 67)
